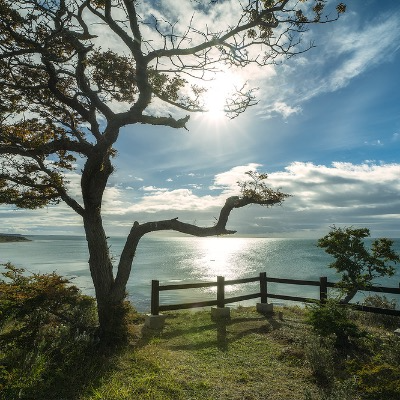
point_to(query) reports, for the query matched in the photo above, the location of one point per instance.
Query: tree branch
(139, 230)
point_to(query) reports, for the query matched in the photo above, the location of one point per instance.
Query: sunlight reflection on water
(186, 260)
(219, 257)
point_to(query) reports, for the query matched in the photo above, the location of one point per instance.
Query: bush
(46, 325)
(320, 356)
(332, 319)
(387, 321)
(379, 381)
(340, 390)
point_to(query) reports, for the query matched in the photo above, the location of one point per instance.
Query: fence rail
(263, 294)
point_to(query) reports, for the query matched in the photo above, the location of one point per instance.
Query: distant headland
(11, 237)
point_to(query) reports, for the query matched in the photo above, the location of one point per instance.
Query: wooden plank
(293, 281)
(375, 310)
(292, 298)
(244, 280)
(242, 298)
(188, 305)
(263, 287)
(187, 286)
(381, 289)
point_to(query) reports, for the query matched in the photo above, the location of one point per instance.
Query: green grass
(248, 357)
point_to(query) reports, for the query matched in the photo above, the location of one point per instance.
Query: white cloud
(340, 193)
(174, 200)
(280, 107)
(153, 189)
(363, 48)
(227, 181)
(376, 142)
(365, 194)
(345, 50)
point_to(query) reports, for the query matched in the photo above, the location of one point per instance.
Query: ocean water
(187, 260)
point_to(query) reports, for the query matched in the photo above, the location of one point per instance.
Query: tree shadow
(219, 333)
(88, 367)
(69, 376)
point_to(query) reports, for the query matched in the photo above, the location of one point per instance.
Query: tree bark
(349, 296)
(101, 271)
(109, 308)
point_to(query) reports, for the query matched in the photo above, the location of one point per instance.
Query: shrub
(332, 319)
(340, 390)
(320, 356)
(46, 324)
(387, 321)
(379, 381)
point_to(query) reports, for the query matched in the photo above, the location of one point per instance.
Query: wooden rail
(263, 294)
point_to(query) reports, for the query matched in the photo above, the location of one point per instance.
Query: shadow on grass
(182, 335)
(68, 377)
(88, 367)
(63, 370)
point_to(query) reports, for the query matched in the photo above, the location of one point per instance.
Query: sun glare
(220, 90)
(219, 256)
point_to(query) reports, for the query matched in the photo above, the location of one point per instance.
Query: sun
(220, 89)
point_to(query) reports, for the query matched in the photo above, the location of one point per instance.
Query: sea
(178, 260)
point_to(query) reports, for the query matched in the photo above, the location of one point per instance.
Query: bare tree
(64, 97)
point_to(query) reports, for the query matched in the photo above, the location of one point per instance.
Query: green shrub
(340, 390)
(379, 381)
(46, 326)
(332, 319)
(320, 355)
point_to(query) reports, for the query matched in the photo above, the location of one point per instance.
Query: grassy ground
(247, 357)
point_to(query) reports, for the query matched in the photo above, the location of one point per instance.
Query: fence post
(323, 289)
(264, 307)
(220, 292)
(155, 320)
(263, 287)
(155, 297)
(220, 312)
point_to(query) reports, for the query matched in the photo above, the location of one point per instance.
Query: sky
(326, 129)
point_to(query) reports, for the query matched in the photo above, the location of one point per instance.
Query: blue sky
(326, 130)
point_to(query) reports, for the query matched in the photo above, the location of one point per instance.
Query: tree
(358, 265)
(65, 98)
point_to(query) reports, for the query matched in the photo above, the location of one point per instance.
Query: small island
(12, 237)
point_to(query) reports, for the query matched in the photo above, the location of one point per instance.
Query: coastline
(6, 238)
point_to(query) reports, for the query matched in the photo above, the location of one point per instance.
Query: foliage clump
(46, 327)
(379, 381)
(358, 265)
(255, 190)
(332, 319)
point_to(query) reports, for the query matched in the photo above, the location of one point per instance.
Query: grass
(248, 357)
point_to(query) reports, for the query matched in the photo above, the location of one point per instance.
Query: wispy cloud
(345, 50)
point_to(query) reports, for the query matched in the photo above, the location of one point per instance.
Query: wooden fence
(263, 294)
